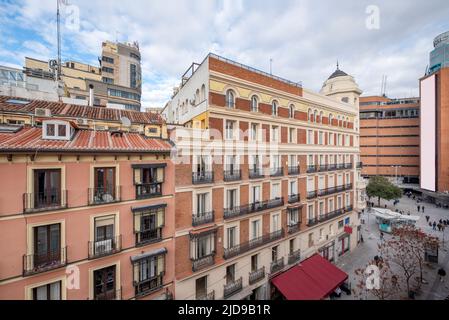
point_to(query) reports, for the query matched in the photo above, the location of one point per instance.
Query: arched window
(197, 97)
(203, 93)
(254, 104)
(315, 116)
(310, 115)
(331, 117)
(321, 116)
(230, 99)
(291, 111)
(274, 108)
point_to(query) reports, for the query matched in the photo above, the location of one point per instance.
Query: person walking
(439, 227)
(427, 218)
(434, 225)
(423, 209)
(381, 236)
(419, 208)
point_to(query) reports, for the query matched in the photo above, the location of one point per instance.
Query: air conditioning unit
(42, 112)
(104, 246)
(82, 121)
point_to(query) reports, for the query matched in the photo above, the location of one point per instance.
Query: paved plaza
(433, 289)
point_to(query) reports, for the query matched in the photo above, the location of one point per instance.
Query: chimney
(91, 95)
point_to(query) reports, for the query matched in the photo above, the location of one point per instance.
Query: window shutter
(193, 249)
(160, 264)
(136, 266)
(137, 176)
(137, 223)
(160, 218)
(160, 175)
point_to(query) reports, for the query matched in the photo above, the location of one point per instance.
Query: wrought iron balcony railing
(109, 295)
(277, 172)
(294, 198)
(104, 195)
(203, 262)
(293, 227)
(311, 168)
(312, 221)
(232, 175)
(148, 190)
(294, 257)
(312, 195)
(252, 244)
(145, 237)
(148, 286)
(202, 177)
(232, 288)
(42, 262)
(101, 248)
(293, 170)
(256, 174)
(207, 296)
(349, 165)
(256, 275)
(203, 218)
(277, 265)
(238, 211)
(51, 199)
(359, 165)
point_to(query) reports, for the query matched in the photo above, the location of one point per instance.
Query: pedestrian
(381, 235)
(442, 274)
(419, 208)
(430, 224)
(434, 225)
(441, 221)
(439, 227)
(385, 206)
(427, 218)
(423, 209)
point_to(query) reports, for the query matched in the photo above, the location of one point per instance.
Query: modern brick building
(390, 137)
(267, 174)
(86, 203)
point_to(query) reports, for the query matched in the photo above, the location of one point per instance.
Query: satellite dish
(125, 121)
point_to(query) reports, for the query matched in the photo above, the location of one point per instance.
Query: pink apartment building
(86, 205)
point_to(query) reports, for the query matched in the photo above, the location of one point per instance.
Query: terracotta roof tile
(30, 139)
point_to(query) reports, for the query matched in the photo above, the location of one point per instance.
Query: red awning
(313, 279)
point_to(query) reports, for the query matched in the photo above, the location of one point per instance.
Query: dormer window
(56, 130)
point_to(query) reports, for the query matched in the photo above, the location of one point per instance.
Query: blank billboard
(428, 133)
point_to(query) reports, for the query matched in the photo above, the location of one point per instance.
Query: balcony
(203, 218)
(294, 198)
(349, 165)
(207, 296)
(42, 262)
(44, 201)
(327, 192)
(359, 165)
(234, 212)
(311, 168)
(331, 167)
(293, 227)
(312, 222)
(322, 168)
(294, 257)
(98, 249)
(109, 295)
(148, 190)
(312, 195)
(293, 170)
(340, 166)
(256, 174)
(148, 286)
(256, 275)
(348, 187)
(203, 262)
(277, 172)
(203, 177)
(148, 236)
(252, 244)
(277, 265)
(104, 195)
(232, 175)
(232, 288)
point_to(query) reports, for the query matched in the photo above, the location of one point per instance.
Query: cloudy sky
(304, 38)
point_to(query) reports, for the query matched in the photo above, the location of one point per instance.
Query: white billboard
(428, 133)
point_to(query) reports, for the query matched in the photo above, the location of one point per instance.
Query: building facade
(390, 138)
(266, 175)
(86, 210)
(434, 93)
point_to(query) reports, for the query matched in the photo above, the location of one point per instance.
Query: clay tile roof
(29, 139)
(78, 111)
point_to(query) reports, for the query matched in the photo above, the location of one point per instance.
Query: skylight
(17, 101)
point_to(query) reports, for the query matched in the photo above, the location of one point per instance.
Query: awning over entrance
(313, 279)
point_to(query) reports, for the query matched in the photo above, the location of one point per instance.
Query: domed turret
(342, 87)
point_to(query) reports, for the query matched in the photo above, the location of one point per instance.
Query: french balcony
(232, 175)
(349, 165)
(203, 218)
(42, 262)
(359, 165)
(256, 275)
(203, 262)
(238, 211)
(148, 236)
(322, 168)
(207, 296)
(294, 170)
(331, 167)
(340, 166)
(348, 187)
(109, 295)
(277, 265)
(327, 192)
(148, 286)
(277, 172)
(232, 288)
(104, 195)
(294, 257)
(294, 198)
(311, 168)
(312, 222)
(102, 248)
(52, 199)
(202, 177)
(293, 227)
(256, 174)
(312, 195)
(148, 190)
(252, 244)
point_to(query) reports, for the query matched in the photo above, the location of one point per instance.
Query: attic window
(17, 101)
(56, 130)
